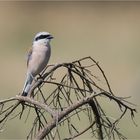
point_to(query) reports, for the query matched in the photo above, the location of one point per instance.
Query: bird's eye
(41, 37)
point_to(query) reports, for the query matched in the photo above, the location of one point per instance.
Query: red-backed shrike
(38, 58)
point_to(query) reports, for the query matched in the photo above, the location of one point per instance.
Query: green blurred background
(107, 31)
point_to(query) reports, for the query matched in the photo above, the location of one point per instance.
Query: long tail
(27, 85)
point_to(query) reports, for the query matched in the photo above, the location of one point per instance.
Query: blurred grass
(107, 31)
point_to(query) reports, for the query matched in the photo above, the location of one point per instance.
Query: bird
(37, 58)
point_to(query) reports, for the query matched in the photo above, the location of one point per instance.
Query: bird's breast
(39, 59)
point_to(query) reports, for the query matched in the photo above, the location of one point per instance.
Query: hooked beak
(50, 37)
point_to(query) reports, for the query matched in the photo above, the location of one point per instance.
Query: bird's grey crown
(42, 35)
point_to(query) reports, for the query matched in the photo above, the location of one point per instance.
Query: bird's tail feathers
(27, 85)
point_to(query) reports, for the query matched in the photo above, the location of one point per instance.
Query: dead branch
(73, 91)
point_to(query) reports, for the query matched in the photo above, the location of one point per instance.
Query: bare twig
(75, 94)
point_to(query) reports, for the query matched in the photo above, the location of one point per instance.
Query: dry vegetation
(72, 91)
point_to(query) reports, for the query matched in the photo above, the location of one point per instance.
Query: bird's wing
(29, 55)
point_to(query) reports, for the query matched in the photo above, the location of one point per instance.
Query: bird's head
(42, 38)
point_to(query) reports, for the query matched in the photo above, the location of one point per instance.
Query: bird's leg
(40, 77)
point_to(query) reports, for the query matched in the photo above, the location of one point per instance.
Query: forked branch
(64, 93)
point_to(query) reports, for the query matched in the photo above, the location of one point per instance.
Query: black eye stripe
(42, 37)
